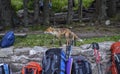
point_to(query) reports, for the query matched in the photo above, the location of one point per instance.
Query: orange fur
(58, 32)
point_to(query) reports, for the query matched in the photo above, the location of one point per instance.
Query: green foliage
(87, 3)
(57, 5)
(30, 4)
(17, 4)
(116, 17)
(45, 40)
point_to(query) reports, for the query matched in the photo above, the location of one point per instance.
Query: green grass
(45, 39)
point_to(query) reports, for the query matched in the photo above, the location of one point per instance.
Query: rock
(32, 52)
(107, 22)
(2, 55)
(5, 52)
(19, 51)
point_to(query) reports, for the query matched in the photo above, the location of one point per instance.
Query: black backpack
(81, 65)
(54, 61)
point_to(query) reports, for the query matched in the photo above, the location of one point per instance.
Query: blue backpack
(54, 61)
(8, 39)
(5, 69)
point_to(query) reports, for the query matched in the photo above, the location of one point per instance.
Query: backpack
(32, 68)
(54, 61)
(81, 65)
(8, 39)
(115, 58)
(5, 69)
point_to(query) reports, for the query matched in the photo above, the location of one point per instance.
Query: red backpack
(32, 68)
(115, 50)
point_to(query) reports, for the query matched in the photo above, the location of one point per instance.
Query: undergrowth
(45, 40)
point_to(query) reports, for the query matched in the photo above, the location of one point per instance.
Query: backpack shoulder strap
(46, 63)
(49, 62)
(6, 69)
(1, 69)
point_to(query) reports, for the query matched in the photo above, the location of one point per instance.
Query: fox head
(49, 30)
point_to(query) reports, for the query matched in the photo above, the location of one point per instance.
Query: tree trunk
(112, 8)
(25, 12)
(36, 10)
(70, 12)
(101, 9)
(98, 7)
(80, 10)
(5, 13)
(46, 12)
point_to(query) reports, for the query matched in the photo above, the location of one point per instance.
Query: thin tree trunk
(101, 9)
(46, 12)
(112, 8)
(5, 12)
(25, 12)
(70, 12)
(80, 10)
(36, 10)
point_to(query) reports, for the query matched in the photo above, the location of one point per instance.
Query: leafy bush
(57, 5)
(17, 4)
(87, 3)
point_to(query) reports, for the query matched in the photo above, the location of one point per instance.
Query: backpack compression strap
(6, 69)
(48, 64)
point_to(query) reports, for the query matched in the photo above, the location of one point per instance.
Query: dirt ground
(84, 30)
(91, 31)
(97, 31)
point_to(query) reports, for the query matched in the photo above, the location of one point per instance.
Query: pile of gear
(58, 61)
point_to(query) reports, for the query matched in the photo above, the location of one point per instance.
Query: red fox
(59, 32)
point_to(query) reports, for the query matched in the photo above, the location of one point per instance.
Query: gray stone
(19, 51)
(5, 52)
(2, 55)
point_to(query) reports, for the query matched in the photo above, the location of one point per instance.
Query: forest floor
(88, 31)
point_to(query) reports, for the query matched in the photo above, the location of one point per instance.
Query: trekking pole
(69, 49)
(95, 46)
(69, 59)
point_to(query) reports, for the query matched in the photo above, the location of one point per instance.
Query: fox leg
(73, 41)
(67, 35)
(53, 40)
(67, 41)
(59, 39)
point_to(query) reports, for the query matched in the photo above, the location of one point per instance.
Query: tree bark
(5, 13)
(98, 7)
(70, 12)
(101, 9)
(36, 10)
(46, 12)
(25, 12)
(80, 10)
(112, 8)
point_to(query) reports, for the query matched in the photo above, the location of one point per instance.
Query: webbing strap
(48, 64)
(6, 69)
(1, 70)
